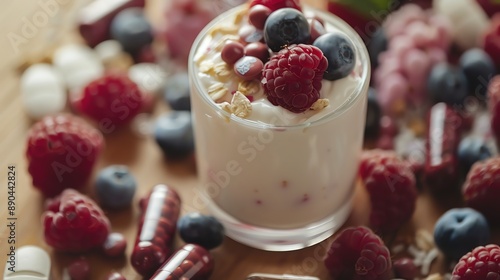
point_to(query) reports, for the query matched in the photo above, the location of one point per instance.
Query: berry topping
(277, 4)
(480, 263)
(74, 223)
(115, 187)
(248, 68)
(173, 132)
(205, 231)
(292, 77)
(392, 188)
(358, 253)
(482, 188)
(460, 230)
(257, 15)
(111, 100)
(232, 51)
(285, 27)
(340, 54)
(61, 152)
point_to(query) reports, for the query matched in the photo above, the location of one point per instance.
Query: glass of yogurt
(277, 180)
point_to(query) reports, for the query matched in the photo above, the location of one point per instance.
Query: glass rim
(361, 52)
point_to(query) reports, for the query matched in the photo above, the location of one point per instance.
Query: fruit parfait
(278, 94)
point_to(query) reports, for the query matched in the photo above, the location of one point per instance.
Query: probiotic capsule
(31, 263)
(42, 91)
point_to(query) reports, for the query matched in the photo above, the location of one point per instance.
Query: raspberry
(113, 99)
(493, 102)
(482, 263)
(392, 188)
(292, 77)
(359, 254)
(61, 152)
(482, 188)
(74, 223)
(277, 4)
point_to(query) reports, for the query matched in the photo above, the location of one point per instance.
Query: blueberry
(200, 229)
(284, 27)
(174, 134)
(377, 45)
(447, 84)
(131, 28)
(478, 69)
(177, 92)
(471, 150)
(115, 187)
(373, 115)
(339, 52)
(460, 230)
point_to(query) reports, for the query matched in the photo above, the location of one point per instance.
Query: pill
(248, 67)
(259, 50)
(156, 231)
(42, 91)
(190, 262)
(35, 261)
(267, 276)
(112, 56)
(79, 269)
(150, 77)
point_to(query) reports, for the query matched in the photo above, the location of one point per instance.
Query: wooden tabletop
(233, 260)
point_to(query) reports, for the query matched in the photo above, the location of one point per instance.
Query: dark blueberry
(284, 27)
(471, 150)
(460, 230)
(176, 92)
(340, 54)
(174, 134)
(200, 229)
(447, 84)
(373, 115)
(478, 69)
(377, 45)
(131, 28)
(115, 187)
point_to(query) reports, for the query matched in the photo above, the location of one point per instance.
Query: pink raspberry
(292, 77)
(482, 263)
(359, 254)
(391, 185)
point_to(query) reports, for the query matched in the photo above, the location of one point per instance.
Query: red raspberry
(491, 39)
(482, 263)
(292, 77)
(61, 152)
(74, 223)
(493, 104)
(277, 4)
(113, 99)
(481, 189)
(391, 184)
(359, 254)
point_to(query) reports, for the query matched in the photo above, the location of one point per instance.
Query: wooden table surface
(233, 261)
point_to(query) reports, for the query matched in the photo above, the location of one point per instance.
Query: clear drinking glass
(280, 187)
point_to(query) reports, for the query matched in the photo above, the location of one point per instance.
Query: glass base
(281, 239)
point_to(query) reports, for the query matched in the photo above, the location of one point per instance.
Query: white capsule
(42, 91)
(149, 77)
(108, 50)
(31, 263)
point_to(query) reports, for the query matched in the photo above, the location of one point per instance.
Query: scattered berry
(493, 102)
(358, 253)
(174, 134)
(471, 150)
(491, 40)
(460, 230)
(391, 185)
(79, 269)
(373, 115)
(61, 152)
(340, 54)
(447, 84)
(115, 276)
(177, 92)
(115, 187)
(111, 100)
(482, 188)
(292, 78)
(405, 268)
(258, 50)
(277, 4)
(478, 69)
(481, 263)
(285, 27)
(74, 223)
(203, 230)
(115, 245)
(257, 15)
(232, 51)
(376, 46)
(248, 68)
(131, 28)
